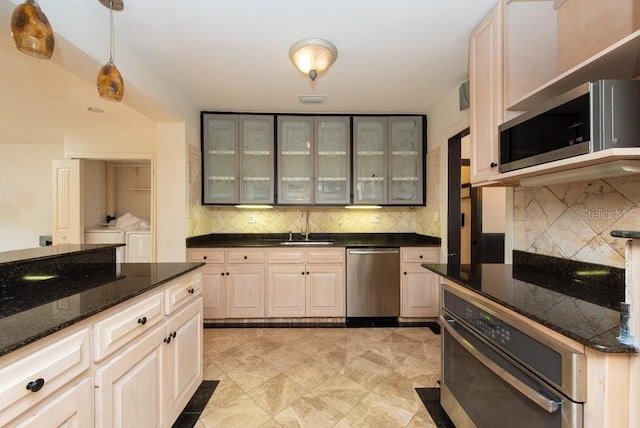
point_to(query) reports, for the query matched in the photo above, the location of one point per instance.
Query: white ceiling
(397, 56)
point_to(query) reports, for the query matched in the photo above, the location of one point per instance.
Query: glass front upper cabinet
(313, 160)
(238, 162)
(388, 161)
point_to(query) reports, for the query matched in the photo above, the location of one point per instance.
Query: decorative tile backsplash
(213, 219)
(573, 220)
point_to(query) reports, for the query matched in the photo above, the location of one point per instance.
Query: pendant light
(31, 30)
(313, 56)
(110, 83)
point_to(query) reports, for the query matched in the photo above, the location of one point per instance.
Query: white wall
(25, 193)
(445, 120)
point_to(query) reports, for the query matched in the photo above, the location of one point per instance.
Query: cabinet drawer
(124, 325)
(245, 256)
(182, 291)
(420, 255)
(325, 256)
(206, 255)
(285, 256)
(50, 367)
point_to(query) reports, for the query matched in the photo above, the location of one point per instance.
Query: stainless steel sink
(305, 243)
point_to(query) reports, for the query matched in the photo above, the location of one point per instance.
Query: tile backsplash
(573, 221)
(214, 219)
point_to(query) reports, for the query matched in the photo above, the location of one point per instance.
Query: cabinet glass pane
(221, 160)
(332, 160)
(257, 159)
(406, 161)
(370, 162)
(295, 161)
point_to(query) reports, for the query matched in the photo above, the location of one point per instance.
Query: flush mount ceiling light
(109, 81)
(31, 30)
(313, 56)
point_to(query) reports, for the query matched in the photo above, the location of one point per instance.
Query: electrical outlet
(253, 218)
(375, 218)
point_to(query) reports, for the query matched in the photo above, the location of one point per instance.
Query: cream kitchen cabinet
(42, 373)
(233, 282)
(388, 160)
(314, 160)
(306, 282)
(237, 159)
(419, 288)
(486, 110)
(148, 381)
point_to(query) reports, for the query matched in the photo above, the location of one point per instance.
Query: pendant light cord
(111, 32)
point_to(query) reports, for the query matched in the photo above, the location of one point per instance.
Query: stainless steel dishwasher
(373, 282)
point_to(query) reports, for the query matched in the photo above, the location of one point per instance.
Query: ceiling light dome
(313, 56)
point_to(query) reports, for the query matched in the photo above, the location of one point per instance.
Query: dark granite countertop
(339, 240)
(30, 310)
(571, 307)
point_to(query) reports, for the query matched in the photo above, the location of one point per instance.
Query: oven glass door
(493, 391)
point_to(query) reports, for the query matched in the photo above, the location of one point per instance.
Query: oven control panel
(488, 325)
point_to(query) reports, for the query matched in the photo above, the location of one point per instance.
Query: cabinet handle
(190, 290)
(35, 385)
(493, 165)
(167, 339)
(142, 321)
(174, 334)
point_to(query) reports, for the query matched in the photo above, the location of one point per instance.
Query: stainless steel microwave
(599, 115)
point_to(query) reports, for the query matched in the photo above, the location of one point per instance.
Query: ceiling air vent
(312, 99)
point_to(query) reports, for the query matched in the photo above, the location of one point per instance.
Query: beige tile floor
(319, 377)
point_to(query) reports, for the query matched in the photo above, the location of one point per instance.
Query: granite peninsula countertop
(570, 307)
(44, 290)
(222, 240)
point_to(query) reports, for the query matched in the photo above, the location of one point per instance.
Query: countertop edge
(188, 267)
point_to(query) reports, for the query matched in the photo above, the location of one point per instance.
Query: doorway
(467, 243)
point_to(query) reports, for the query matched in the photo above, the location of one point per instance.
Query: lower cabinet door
(325, 292)
(72, 408)
(419, 292)
(285, 291)
(213, 291)
(184, 359)
(129, 387)
(245, 286)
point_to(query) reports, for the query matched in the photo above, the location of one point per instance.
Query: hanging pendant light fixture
(313, 56)
(31, 30)
(110, 83)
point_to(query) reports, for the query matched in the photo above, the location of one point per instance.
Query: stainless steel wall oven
(498, 371)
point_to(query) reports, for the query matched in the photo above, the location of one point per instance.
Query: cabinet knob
(227, 273)
(420, 255)
(35, 385)
(245, 257)
(204, 258)
(493, 165)
(405, 273)
(302, 273)
(190, 290)
(142, 321)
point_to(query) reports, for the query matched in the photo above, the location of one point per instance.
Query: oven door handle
(550, 406)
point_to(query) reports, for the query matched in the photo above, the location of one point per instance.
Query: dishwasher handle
(375, 251)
